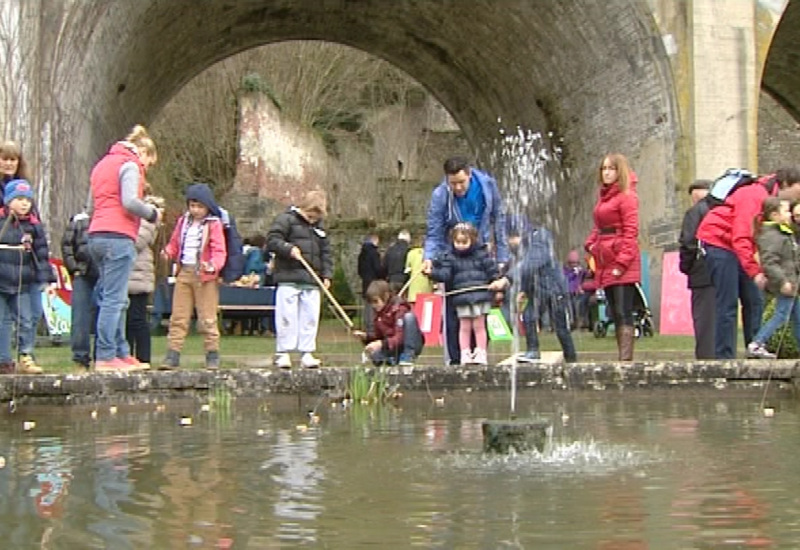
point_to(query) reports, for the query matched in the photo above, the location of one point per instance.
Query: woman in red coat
(614, 245)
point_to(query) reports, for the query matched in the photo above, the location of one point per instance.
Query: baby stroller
(642, 318)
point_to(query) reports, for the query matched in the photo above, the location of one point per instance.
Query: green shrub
(788, 347)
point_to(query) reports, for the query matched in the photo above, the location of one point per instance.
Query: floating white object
(260, 432)
(302, 428)
(28, 425)
(439, 400)
(2, 462)
(112, 409)
(769, 412)
(205, 407)
(93, 414)
(186, 421)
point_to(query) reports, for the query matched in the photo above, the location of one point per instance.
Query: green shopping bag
(497, 326)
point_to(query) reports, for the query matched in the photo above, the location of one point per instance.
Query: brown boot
(626, 343)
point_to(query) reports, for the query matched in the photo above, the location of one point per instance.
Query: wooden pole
(327, 292)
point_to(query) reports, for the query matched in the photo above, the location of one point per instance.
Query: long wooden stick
(327, 293)
(408, 283)
(468, 289)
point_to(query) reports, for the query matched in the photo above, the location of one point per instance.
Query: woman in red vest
(614, 244)
(117, 182)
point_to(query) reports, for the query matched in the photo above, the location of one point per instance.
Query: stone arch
(779, 105)
(593, 73)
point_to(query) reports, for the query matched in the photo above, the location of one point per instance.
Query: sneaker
(212, 360)
(479, 357)
(406, 360)
(28, 366)
(112, 365)
(134, 364)
(172, 360)
(466, 357)
(283, 361)
(758, 351)
(309, 361)
(531, 356)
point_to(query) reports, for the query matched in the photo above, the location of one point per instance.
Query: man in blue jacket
(465, 195)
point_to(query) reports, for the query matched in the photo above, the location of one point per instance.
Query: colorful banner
(676, 299)
(428, 309)
(57, 300)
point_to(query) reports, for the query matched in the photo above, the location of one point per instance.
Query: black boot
(171, 361)
(212, 360)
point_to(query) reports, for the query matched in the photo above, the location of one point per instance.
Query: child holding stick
(471, 276)
(396, 338)
(302, 256)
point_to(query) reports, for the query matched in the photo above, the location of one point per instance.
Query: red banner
(428, 309)
(63, 284)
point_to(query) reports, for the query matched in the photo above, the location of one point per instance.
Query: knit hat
(15, 189)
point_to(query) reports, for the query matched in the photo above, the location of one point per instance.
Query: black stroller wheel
(600, 330)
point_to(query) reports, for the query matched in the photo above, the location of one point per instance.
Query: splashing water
(587, 457)
(528, 168)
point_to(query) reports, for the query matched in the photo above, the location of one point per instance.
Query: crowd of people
(476, 250)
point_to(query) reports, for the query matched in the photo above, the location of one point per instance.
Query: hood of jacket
(203, 194)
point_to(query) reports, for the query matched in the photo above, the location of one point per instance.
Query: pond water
(624, 471)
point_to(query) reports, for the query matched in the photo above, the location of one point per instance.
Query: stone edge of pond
(333, 381)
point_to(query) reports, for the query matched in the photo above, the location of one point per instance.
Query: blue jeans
(36, 310)
(731, 284)
(413, 341)
(784, 307)
(15, 311)
(84, 315)
(114, 258)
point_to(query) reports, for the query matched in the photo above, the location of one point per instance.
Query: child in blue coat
(471, 276)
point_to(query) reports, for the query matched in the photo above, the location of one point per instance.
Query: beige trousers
(190, 294)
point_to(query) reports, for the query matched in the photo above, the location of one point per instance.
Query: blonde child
(198, 247)
(298, 234)
(777, 251)
(470, 274)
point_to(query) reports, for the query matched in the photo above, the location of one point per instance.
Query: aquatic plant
(220, 398)
(367, 386)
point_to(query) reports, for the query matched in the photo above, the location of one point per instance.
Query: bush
(789, 348)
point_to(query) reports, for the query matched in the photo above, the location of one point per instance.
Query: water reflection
(641, 470)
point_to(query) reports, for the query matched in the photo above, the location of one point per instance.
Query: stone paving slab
(333, 381)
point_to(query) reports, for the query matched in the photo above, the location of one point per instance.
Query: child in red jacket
(198, 247)
(396, 338)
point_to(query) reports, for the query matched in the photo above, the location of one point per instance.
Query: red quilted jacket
(614, 240)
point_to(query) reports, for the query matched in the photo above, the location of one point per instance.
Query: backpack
(725, 185)
(234, 263)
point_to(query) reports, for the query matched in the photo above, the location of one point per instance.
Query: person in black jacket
(298, 233)
(692, 263)
(394, 261)
(83, 272)
(470, 273)
(370, 268)
(22, 266)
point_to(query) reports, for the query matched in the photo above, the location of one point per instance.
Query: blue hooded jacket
(443, 214)
(234, 265)
(203, 194)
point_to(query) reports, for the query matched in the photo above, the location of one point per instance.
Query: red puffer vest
(109, 215)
